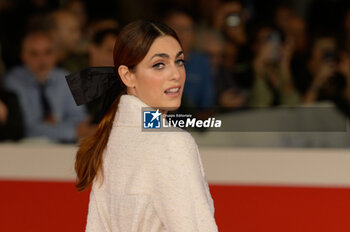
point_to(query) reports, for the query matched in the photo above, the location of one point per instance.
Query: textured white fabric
(153, 181)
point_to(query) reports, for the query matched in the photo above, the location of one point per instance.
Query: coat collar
(129, 111)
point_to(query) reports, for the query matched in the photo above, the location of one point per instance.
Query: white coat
(153, 181)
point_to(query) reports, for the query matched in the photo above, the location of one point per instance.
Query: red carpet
(56, 207)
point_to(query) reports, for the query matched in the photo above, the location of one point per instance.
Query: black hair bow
(95, 83)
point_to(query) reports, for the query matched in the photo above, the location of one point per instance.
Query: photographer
(231, 20)
(273, 82)
(325, 76)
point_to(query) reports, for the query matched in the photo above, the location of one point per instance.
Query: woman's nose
(175, 72)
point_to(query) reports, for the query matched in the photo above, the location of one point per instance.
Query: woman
(141, 181)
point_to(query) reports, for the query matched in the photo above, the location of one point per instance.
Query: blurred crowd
(239, 55)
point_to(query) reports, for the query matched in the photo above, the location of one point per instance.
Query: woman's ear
(127, 76)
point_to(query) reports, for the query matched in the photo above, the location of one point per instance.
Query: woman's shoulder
(176, 138)
(152, 139)
(177, 145)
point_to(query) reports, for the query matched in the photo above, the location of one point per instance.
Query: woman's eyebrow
(179, 54)
(164, 55)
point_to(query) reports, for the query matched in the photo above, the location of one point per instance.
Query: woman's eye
(180, 62)
(158, 66)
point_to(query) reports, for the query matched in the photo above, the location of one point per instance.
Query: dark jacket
(13, 129)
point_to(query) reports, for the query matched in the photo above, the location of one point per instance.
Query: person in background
(100, 52)
(199, 90)
(101, 47)
(273, 81)
(282, 17)
(327, 75)
(346, 30)
(231, 21)
(66, 32)
(78, 8)
(48, 107)
(101, 24)
(293, 29)
(292, 26)
(11, 120)
(14, 16)
(229, 94)
(343, 67)
(234, 77)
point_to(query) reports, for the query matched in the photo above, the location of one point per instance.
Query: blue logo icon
(151, 119)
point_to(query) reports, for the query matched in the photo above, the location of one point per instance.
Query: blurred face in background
(68, 31)
(79, 10)
(184, 27)
(283, 17)
(38, 55)
(102, 54)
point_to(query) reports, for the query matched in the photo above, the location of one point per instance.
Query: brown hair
(131, 46)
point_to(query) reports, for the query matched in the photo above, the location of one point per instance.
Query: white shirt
(153, 181)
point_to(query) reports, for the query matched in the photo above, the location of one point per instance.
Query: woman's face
(160, 77)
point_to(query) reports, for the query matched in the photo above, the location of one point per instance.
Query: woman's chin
(172, 106)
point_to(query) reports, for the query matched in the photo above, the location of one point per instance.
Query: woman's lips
(173, 91)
